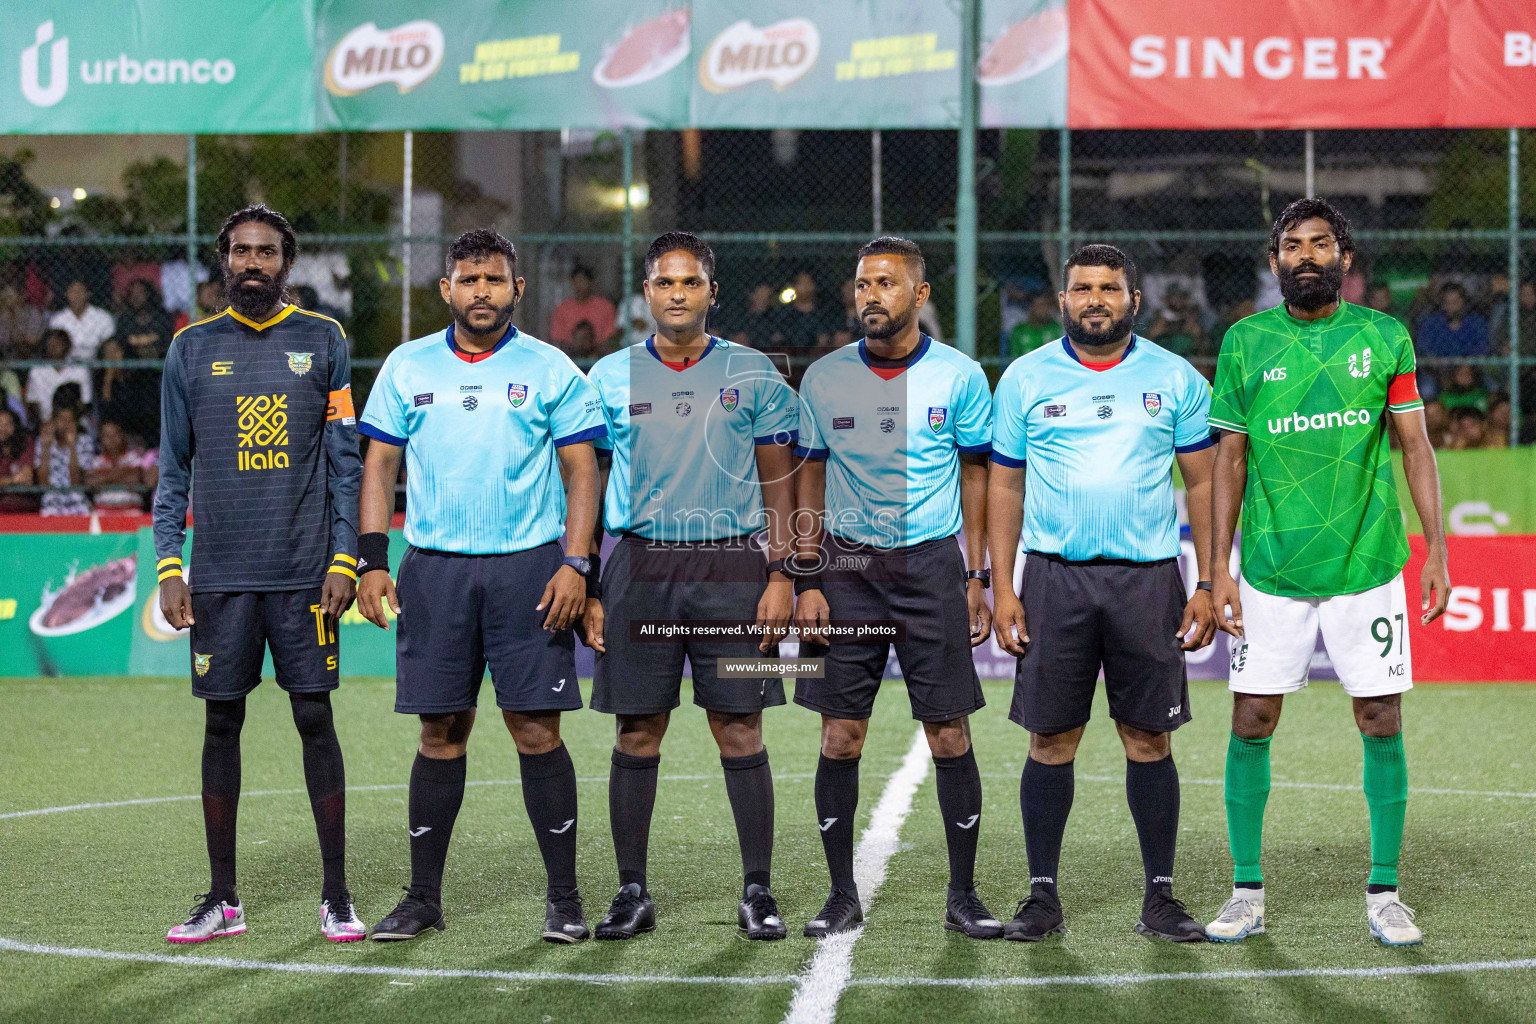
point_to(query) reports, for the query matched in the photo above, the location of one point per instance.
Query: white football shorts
(1366, 635)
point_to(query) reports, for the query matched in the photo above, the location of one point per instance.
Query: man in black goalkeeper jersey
(257, 403)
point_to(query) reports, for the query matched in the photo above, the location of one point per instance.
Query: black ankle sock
(837, 799)
(631, 798)
(1152, 790)
(959, 785)
(1372, 890)
(1045, 797)
(549, 793)
(437, 791)
(325, 777)
(749, 786)
(221, 790)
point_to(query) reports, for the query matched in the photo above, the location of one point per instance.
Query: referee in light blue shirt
(491, 422)
(1085, 432)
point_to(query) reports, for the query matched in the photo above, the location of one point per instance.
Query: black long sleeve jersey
(257, 421)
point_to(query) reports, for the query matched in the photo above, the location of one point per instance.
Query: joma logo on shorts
(1298, 422)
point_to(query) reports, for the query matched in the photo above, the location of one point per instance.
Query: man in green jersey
(1303, 395)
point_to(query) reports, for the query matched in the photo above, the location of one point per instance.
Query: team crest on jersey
(937, 414)
(517, 394)
(201, 662)
(301, 362)
(728, 399)
(1360, 363)
(1152, 403)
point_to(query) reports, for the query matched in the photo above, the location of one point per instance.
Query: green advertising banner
(1021, 71)
(509, 64)
(1486, 492)
(66, 603)
(156, 66)
(855, 64)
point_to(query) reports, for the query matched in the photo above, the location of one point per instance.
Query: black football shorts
(462, 613)
(1122, 616)
(231, 633)
(654, 582)
(923, 588)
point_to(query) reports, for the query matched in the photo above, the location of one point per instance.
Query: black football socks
(437, 791)
(749, 786)
(959, 786)
(549, 793)
(221, 791)
(326, 779)
(1045, 797)
(1152, 790)
(837, 799)
(631, 798)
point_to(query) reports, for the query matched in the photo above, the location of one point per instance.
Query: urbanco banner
(147, 66)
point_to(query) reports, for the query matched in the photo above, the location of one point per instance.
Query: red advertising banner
(1301, 64)
(1488, 633)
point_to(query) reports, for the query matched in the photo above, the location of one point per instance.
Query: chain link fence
(111, 244)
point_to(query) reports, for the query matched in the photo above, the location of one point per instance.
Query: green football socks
(1247, 791)
(1386, 794)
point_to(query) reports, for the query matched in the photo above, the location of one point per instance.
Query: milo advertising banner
(510, 64)
(155, 66)
(1021, 67)
(854, 64)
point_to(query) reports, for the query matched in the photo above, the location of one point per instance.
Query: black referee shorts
(460, 613)
(655, 581)
(1121, 615)
(231, 633)
(923, 588)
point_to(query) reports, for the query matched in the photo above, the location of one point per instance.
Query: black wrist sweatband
(1203, 585)
(372, 552)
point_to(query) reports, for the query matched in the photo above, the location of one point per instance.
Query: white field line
(350, 789)
(1090, 980)
(831, 967)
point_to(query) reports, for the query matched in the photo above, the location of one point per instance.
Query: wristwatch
(580, 563)
(985, 575)
(778, 565)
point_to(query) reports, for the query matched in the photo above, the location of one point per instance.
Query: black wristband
(778, 565)
(807, 581)
(372, 553)
(1203, 585)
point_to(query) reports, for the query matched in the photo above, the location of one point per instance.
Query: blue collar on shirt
(1067, 345)
(454, 348)
(650, 346)
(918, 353)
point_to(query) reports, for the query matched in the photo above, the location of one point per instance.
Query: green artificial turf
(116, 878)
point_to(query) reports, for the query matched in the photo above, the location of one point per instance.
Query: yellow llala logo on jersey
(300, 362)
(201, 662)
(225, 368)
(262, 423)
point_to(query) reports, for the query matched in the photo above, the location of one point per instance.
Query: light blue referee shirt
(684, 442)
(893, 446)
(1099, 447)
(482, 476)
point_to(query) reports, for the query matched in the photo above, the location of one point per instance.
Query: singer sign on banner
(1301, 64)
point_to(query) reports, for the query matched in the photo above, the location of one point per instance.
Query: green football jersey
(1320, 513)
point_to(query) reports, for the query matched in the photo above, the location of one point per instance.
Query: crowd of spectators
(80, 390)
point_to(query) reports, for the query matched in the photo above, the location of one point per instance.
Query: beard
(1313, 293)
(254, 302)
(1113, 333)
(503, 317)
(893, 324)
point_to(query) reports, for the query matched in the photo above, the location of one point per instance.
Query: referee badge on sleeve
(1153, 403)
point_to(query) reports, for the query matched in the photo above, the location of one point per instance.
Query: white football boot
(1391, 920)
(209, 919)
(338, 921)
(1240, 917)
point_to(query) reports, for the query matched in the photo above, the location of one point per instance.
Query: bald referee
(495, 422)
(1096, 421)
